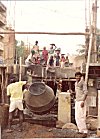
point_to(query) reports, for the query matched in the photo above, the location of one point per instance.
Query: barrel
(39, 98)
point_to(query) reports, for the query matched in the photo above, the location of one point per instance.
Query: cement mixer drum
(40, 98)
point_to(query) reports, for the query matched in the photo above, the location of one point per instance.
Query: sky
(50, 16)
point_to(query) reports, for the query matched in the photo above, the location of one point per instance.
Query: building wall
(3, 11)
(77, 61)
(9, 47)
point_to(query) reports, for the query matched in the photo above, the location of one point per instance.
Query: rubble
(92, 123)
(69, 126)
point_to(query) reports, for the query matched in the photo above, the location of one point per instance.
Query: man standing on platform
(36, 49)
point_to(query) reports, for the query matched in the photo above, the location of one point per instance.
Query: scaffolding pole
(88, 58)
(20, 68)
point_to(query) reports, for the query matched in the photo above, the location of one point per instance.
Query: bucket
(40, 98)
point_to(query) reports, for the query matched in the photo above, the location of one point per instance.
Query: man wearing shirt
(36, 49)
(45, 55)
(52, 50)
(15, 94)
(30, 59)
(80, 104)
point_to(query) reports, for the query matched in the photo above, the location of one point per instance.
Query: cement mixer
(39, 98)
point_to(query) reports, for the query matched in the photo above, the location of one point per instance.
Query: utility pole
(92, 50)
(87, 39)
(94, 30)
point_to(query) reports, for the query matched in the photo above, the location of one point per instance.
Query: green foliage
(19, 50)
(82, 49)
(98, 37)
(98, 42)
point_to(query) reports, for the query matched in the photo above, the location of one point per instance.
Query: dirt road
(39, 131)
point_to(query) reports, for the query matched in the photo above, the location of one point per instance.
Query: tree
(82, 49)
(19, 50)
(98, 43)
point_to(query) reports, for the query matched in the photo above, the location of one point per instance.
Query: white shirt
(27, 62)
(29, 57)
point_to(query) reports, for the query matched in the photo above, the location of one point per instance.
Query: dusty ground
(39, 131)
(34, 130)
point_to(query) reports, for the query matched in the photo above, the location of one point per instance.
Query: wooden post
(98, 127)
(94, 25)
(20, 68)
(88, 58)
(42, 72)
(92, 39)
(0, 130)
(2, 68)
(2, 85)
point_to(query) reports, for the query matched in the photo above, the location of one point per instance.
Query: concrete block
(64, 107)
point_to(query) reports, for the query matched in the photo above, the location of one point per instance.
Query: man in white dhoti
(80, 104)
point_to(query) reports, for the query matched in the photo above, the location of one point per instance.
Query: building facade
(9, 46)
(3, 22)
(7, 41)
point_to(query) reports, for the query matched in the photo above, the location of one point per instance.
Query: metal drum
(40, 98)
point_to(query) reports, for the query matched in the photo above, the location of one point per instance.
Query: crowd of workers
(48, 58)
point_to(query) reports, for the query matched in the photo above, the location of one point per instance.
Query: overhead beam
(49, 33)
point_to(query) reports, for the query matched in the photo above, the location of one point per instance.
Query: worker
(52, 50)
(80, 104)
(50, 63)
(66, 61)
(15, 100)
(50, 69)
(36, 49)
(45, 55)
(57, 59)
(30, 59)
(62, 61)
